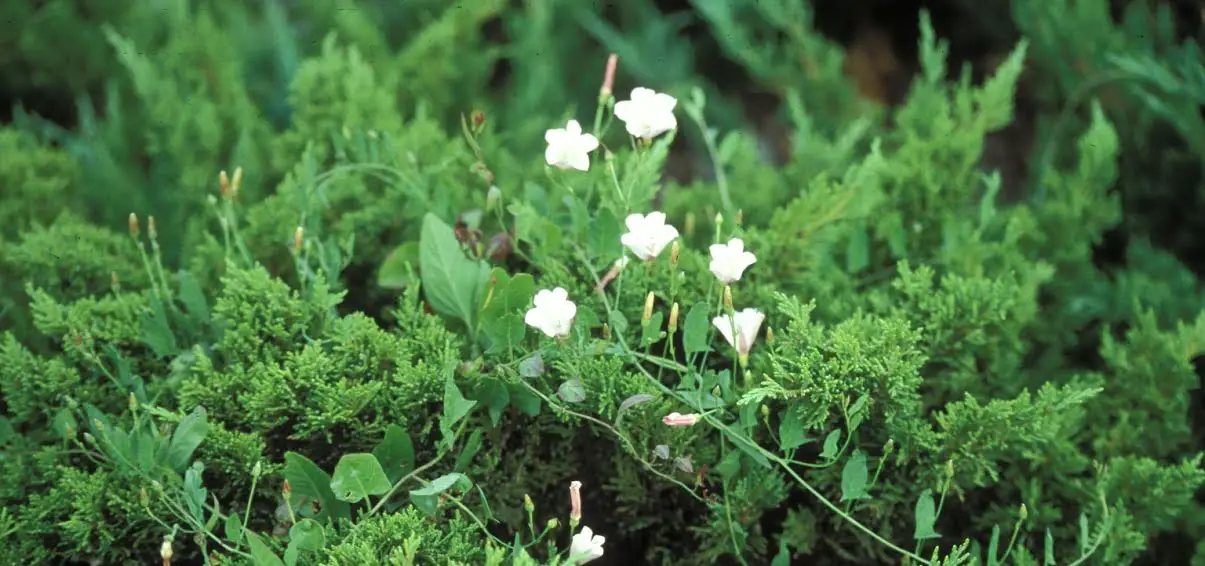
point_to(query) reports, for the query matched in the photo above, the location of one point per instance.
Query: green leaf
(307, 534)
(695, 329)
(572, 391)
(451, 280)
(6, 430)
(455, 408)
(525, 401)
(156, 333)
(496, 397)
(426, 497)
(189, 434)
(504, 333)
(395, 453)
(651, 332)
(783, 558)
(532, 366)
(397, 270)
(749, 449)
(64, 424)
(925, 516)
(233, 528)
(193, 297)
(854, 477)
(993, 547)
(306, 479)
(508, 295)
(358, 476)
(261, 555)
(470, 449)
(830, 445)
(791, 432)
(1048, 552)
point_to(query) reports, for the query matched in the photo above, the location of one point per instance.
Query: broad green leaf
(572, 391)
(189, 434)
(830, 445)
(307, 534)
(1048, 552)
(156, 332)
(993, 547)
(451, 280)
(651, 332)
(504, 332)
(426, 497)
(525, 401)
(456, 407)
(306, 479)
(261, 555)
(630, 402)
(397, 270)
(233, 528)
(854, 477)
(783, 558)
(395, 453)
(532, 366)
(358, 476)
(195, 494)
(470, 449)
(193, 297)
(508, 295)
(604, 234)
(496, 397)
(791, 432)
(925, 516)
(749, 449)
(695, 329)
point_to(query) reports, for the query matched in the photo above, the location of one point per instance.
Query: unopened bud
(675, 253)
(719, 219)
(114, 282)
(99, 425)
(132, 402)
(765, 412)
(606, 332)
(609, 76)
(257, 469)
(492, 197)
(648, 307)
(224, 183)
(165, 551)
(889, 447)
(740, 217)
(236, 182)
(150, 228)
(143, 497)
(286, 488)
(769, 335)
(728, 298)
(298, 237)
(88, 438)
(949, 468)
(552, 524)
(1023, 513)
(134, 225)
(478, 120)
(528, 505)
(673, 319)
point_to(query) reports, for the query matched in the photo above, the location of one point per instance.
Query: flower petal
(573, 128)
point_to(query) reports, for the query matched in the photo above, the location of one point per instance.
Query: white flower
(648, 114)
(748, 322)
(729, 261)
(586, 546)
(553, 313)
(568, 147)
(648, 235)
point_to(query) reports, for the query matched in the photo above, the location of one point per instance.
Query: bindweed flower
(575, 502)
(648, 235)
(729, 261)
(648, 114)
(586, 546)
(747, 323)
(569, 148)
(678, 419)
(552, 313)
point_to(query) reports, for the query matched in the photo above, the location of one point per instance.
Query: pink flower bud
(678, 419)
(575, 501)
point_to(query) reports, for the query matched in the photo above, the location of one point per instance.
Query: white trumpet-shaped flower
(568, 147)
(552, 313)
(747, 323)
(729, 261)
(586, 546)
(648, 235)
(648, 114)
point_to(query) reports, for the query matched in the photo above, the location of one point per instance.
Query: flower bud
(492, 198)
(740, 217)
(673, 319)
(552, 524)
(88, 438)
(769, 335)
(113, 282)
(133, 225)
(286, 488)
(165, 551)
(224, 184)
(99, 425)
(257, 469)
(648, 307)
(132, 402)
(606, 332)
(765, 412)
(298, 237)
(528, 505)
(728, 298)
(150, 228)
(719, 219)
(236, 182)
(674, 254)
(949, 468)
(1023, 513)
(143, 497)
(678, 419)
(889, 447)
(478, 120)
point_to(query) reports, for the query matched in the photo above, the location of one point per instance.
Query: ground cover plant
(525, 283)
